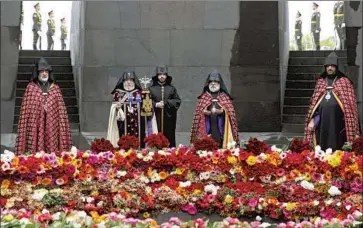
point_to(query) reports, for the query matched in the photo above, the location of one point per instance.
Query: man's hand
(316, 31)
(298, 37)
(38, 33)
(311, 125)
(160, 104)
(343, 25)
(219, 111)
(207, 113)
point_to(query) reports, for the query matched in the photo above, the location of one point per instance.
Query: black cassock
(171, 105)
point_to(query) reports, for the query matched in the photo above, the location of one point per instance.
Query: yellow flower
(265, 204)
(99, 218)
(94, 214)
(354, 167)
(153, 223)
(15, 161)
(179, 171)
(307, 177)
(290, 206)
(339, 153)
(163, 175)
(85, 155)
(146, 215)
(5, 184)
(228, 199)
(76, 162)
(251, 160)
(94, 193)
(7, 218)
(197, 192)
(221, 178)
(334, 160)
(149, 172)
(232, 160)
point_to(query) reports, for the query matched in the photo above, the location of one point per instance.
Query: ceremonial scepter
(146, 101)
(138, 101)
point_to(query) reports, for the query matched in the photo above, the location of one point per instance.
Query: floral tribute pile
(113, 188)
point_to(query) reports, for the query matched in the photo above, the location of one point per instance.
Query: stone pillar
(254, 67)
(10, 30)
(353, 21)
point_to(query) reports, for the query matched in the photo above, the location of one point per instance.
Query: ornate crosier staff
(138, 101)
(146, 101)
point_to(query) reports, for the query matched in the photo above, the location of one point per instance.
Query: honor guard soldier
(37, 27)
(51, 30)
(315, 25)
(64, 33)
(298, 33)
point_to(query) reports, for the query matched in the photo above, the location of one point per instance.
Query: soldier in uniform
(64, 33)
(21, 26)
(339, 23)
(51, 30)
(37, 27)
(298, 33)
(315, 25)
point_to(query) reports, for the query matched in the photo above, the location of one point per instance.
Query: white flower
(144, 179)
(330, 201)
(236, 152)
(39, 154)
(5, 166)
(74, 150)
(316, 203)
(348, 207)
(232, 171)
(265, 224)
(100, 204)
(39, 194)
(204, 176)
(275, 149)
(139, 155)
(339, 204)
(231, 145)
(258, 218)
(317, 148)
(283, 155)
(329, 151)
(211, 189)
(185, 184)
(334, 191)
(24, 221)
(121, 174)
(89, 199)
(307, 185)
(7, 156)
(162, 152)
(263, 156)
(56, 216)
(59, 181)
(45, 211)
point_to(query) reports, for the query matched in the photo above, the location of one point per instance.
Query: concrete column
(10, 30)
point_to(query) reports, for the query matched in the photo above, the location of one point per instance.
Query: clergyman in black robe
(165, 99)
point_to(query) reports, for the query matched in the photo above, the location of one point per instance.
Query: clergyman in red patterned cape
(332, 118)
(43, 123)
(215, 115)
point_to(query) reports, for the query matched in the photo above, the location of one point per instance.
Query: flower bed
(115, 187)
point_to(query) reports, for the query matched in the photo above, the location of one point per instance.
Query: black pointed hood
(42, 65)
(162, 69)
(127, 75)
(215, 76)
(332, 59)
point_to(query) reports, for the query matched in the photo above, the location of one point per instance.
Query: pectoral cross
(145, 81)
(45, 101)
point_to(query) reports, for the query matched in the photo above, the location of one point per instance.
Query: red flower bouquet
(158, 141)
(357, 145)
(127, 142)
(256, 146)
(101, 145)
(206, 143)
(298, 145)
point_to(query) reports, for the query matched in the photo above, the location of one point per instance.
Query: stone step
(74, 127)
(316, 53)
(70, 110)
(66, 92)
(73, 118)
(69, 101)
(295, 109)
(61, 84)
(293, 118)
(300, 84)
(297, 100)
(289, 92)
(302, 76)
(312, 69)
(51, 60)
(28, 53)
(55, 68)
(313, 61)
(292, 128)
(57, 76)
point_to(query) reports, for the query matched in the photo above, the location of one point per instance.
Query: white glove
(316, 31)
(343, 25)
(39, 33)
(120, 115)
(298, 37)
(160, 104)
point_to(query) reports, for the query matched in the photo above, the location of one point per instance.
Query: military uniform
(21, 27)
(50, 32)
(298, 33)
(339, 23)
(37, 27)
(315, 28)
(64, 34)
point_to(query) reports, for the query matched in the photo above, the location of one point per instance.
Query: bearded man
(43, 123)
(125, 117)
(166, 101)
(332, 118)
(215, 115)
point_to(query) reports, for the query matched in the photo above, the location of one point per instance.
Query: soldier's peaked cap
(316, 4)
(298, 12)
(62, 19)
(50, 12)
(36, 4)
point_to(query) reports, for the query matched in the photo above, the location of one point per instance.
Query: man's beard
(214, 88)
(331, 73)
(43, 80)
(129, 87)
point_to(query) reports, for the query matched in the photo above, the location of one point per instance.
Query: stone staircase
(62, 70)
(304, 68)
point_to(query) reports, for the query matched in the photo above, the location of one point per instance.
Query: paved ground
(83, 140)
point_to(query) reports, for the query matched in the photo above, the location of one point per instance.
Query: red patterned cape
(39, 130)
(198, 128)
(343, 89)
